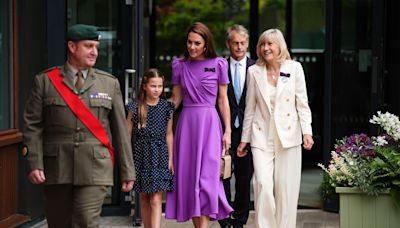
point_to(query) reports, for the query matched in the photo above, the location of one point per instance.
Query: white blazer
(291, 112)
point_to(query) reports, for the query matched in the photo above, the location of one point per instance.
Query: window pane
(308, 24)
(5, 88)
(272, 15)
(103, 14)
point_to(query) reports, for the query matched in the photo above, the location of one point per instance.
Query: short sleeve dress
(198, 189)
(150, 151)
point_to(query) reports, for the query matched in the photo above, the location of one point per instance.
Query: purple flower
(357, 144)
(389, 139)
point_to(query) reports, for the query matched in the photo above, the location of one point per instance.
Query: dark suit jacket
(237, 109)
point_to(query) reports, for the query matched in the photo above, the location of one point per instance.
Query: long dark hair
(205, 33)
(142, 109)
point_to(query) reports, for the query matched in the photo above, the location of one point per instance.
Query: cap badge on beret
(83, 32)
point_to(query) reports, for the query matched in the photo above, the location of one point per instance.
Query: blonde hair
(275, 36)
(141, 100)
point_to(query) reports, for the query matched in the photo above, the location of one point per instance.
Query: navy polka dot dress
(150, 150)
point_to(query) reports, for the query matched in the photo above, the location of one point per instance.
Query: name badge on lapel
(285, 77)
(209, 69)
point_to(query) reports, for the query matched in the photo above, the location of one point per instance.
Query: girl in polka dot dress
(150, 121)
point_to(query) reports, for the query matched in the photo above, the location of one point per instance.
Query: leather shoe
(237, 224)
(225, 223)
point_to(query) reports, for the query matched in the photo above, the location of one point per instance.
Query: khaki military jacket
(62, 146)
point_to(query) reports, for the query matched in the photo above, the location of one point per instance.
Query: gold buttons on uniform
(76, 144)
(25, 151)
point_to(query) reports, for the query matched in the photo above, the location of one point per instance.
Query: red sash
(81, 110)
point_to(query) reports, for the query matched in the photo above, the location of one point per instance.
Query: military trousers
(68, 206)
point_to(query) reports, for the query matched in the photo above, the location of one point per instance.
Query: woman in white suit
(276, 121)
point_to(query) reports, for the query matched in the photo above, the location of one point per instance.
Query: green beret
(83, 32)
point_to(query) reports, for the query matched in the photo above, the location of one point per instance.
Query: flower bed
(371, 164)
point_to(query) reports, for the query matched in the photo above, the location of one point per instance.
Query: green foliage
(346, 169)
(385, 171)
(360, 168)
(371, 164)
(218, 15)
(326, 188)
(175, 16)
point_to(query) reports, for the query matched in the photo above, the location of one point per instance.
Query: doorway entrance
(353, 88)
(119, 23)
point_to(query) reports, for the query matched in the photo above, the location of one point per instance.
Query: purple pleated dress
(198, 189)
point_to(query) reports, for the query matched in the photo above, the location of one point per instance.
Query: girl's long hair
(141, 100)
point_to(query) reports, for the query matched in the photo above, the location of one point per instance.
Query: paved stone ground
(306, 218)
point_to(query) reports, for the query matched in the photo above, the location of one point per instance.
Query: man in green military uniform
(64, 151)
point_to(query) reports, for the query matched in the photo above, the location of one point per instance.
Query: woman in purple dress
(199, 79)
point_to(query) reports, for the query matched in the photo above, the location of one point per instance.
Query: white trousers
(276, 181)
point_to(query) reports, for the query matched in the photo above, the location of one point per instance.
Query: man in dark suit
(237, 41)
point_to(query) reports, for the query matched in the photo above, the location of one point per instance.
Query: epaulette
(97, 71)
(49, 69)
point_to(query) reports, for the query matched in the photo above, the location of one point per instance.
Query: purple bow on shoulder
(209, 69)
(284, 74)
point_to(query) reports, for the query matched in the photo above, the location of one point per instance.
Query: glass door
(352, 78)
(307, 46)
(119, 25)
(353, 89)
(104, 15)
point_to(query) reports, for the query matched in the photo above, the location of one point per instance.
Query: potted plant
(363, 168)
